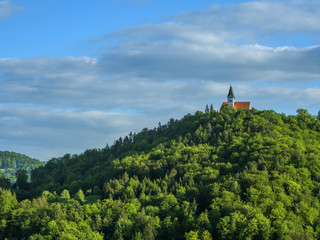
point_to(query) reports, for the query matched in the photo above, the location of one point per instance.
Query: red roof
(238, 105)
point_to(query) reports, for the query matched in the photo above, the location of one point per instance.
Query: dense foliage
(4, 182)
(245, 174)
(11, 162)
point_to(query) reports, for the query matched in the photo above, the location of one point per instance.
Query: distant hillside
(11, 162)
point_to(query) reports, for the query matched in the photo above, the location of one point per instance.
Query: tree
(8, 202)
(65, 195)
(191, 235)
(211, 108)
(4, 182)
(80, 196)
(206, 235)
(233, 226)
(138, 236)
(22, 179)
(149, 231)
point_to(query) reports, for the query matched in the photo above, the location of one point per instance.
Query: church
(231, 102)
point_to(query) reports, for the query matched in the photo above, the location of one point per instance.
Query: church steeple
(231, 97)
(232, 103)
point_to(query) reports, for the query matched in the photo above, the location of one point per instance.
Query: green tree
(8, 202)
(4, 182)
(22, 179)
(191, 235)
(65, 195)
(80, 196)
(206, 235)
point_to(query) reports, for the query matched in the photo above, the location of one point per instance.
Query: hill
(11, 162)
(244, 174)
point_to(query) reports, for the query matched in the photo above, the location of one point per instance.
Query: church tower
(232, 103)
(231, 97)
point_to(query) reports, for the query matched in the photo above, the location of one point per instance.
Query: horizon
(79, 75)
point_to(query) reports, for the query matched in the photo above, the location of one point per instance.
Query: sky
(77, 75)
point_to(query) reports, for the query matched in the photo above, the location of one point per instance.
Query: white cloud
(7, 9)
(168, 52)
(266, 17)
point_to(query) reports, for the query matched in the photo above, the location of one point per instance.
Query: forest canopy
(244, 174)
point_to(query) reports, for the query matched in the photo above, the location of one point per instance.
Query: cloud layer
(260, 17)
(150, 73)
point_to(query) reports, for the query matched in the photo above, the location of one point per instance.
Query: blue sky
(60, 28)
(77, 74)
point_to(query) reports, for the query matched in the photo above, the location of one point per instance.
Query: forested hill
(238, 138)
(244, 174)
(11, 162)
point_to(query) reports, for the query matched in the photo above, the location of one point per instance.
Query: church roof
(231, 94)
(238, 105)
